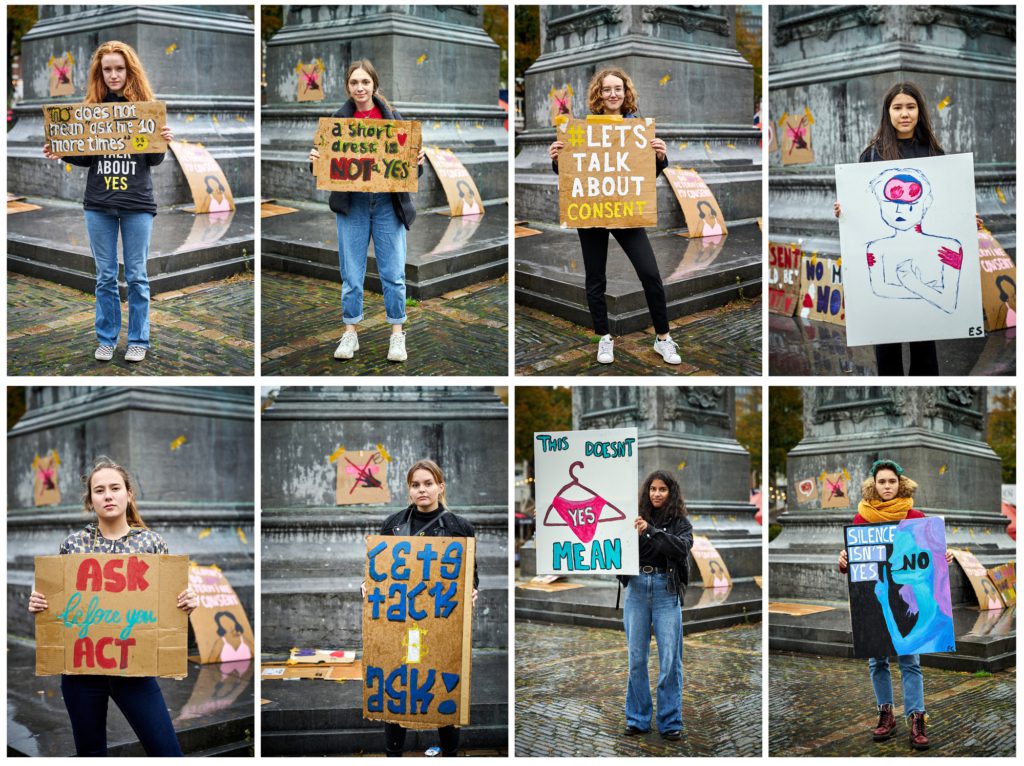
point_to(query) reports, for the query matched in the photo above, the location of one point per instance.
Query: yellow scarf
(876, 511)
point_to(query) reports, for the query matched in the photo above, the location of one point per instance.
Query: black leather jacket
(448, 525)
(674, 541)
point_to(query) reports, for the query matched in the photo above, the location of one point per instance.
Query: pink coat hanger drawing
(581, 515)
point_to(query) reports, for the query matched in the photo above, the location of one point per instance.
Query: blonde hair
(136, 84)
(103, 462)
(630, 97)
(433, 469)
(868, 492)
(367, 67)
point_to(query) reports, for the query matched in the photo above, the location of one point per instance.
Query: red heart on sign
(402, 137)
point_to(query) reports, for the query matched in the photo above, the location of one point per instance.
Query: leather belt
(653, 570)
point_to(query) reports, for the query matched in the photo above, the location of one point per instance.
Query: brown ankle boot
(918, 737)
(886, 724)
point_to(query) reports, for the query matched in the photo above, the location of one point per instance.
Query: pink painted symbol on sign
(364, 474)
(582, 514)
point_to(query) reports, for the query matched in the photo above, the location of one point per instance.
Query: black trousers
(394, 740)
(640, 253)
(924, 358)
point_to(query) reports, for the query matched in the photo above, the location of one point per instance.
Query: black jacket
(674, 541)
(401, 201)
(448, 525)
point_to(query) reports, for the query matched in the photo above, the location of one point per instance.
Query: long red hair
(136, 86)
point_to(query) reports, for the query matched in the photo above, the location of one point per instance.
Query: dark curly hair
(673, 508)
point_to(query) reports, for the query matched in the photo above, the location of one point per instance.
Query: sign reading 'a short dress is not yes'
(359, 155)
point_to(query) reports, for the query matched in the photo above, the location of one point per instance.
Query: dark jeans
(141, 701)
(394, 740)
(924, 358)
(641, 255)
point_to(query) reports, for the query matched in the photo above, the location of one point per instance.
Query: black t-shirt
(418, 520)
(118, 181)
(910, 148)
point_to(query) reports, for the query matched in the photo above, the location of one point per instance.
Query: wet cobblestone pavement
(824, 706)
(571, 688)
(464, 332)
(721, 341)
(205, 329)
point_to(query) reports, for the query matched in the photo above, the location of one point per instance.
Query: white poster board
(586, 490)
(909, 243)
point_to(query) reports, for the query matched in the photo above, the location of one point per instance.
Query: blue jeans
(648, 603)
(371, 214)
(141, 701)
(136, 228)
(910, 675)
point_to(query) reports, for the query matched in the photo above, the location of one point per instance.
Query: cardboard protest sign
(362, 478)
(417, 629)
(1004, 577)
(796, 139)
(607, 174)
(806, 490)
(44, 479)
(821, 287)
(311, 81)
(112, 614)
(586, 490)
(560, 101)
(899, 588)
(835, 489)
(130, 127)
(713, 570)
(773, 140)
(998, 284)
(986, 592)
(223, 633)
(463, 197)
(207, 182)
(784, 278)
(61, 75)
(367, 155)
(909, 243)
(700, 208)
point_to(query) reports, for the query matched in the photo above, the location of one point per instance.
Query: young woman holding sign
(654, 598)
(887, 497)
(119, 197)
(611, 91)
(118, 528)
(382, 216)
(426, 516)
(904, 132)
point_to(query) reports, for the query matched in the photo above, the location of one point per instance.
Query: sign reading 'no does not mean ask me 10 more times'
(607, 173)
(367, 155)
(586, 489)
(125, 127)
(112, 614)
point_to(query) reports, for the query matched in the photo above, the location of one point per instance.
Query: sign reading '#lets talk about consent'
(367, 155)
(607, 174)
(126, 127)
(112, 614)
(417, 629)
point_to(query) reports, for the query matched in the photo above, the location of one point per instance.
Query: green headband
(890, 464)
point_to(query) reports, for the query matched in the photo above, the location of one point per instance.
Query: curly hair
(102, 462)
(673, 508)
(136, 84)
(630, 99)
(868, 492)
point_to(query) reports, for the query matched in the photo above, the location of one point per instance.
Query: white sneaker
(605, 350)
(348, 346)
(667, 349)
(104, 353)
(135, 354)
(396, 351)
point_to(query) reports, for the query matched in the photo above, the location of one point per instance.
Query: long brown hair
(674, 507)
(132, 514)
(884, 142)
(431, 467)
(366, 66)
(630, 99)
(136, 84)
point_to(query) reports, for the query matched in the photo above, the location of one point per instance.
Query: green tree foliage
(496, 26)
(271, 20)
(749, 46)
(748, 429)
(20, 19)
(785, 426)
(527, 37)
(540, 409)
(1002, 431)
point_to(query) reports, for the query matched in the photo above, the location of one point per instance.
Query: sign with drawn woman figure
(909, 243)
(899, 588)
(586, 494)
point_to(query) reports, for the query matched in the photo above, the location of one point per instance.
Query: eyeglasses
(613, 91)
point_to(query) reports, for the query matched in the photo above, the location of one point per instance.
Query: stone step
(443, 253)
(185, 249)
(698, 275)
(328, 720)
(984, 641)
